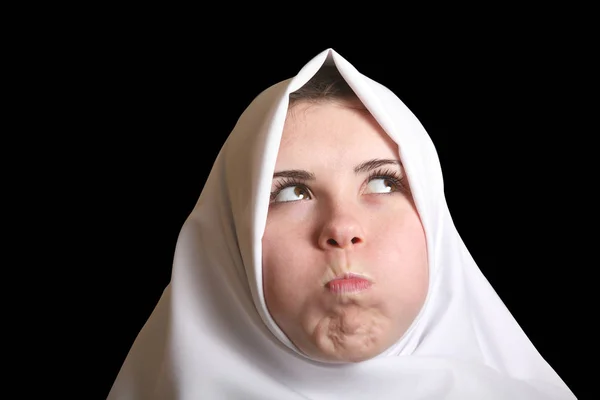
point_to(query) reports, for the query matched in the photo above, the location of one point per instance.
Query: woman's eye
(292, 193)
(381, 185)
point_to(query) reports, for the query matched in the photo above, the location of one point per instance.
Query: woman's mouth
(348, 283)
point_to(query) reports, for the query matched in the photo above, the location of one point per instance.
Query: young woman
(321, 262)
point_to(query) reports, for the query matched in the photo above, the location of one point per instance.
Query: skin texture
(341, 221)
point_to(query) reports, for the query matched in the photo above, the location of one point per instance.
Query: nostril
(333, 242)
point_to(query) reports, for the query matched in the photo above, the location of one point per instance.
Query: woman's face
(344, 252)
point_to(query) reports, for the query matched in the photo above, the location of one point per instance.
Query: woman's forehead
(333, 130)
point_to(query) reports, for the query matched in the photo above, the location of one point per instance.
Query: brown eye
(292, 193)
(381, 185)
(300, 192)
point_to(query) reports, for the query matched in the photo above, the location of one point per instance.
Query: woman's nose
(341, 232)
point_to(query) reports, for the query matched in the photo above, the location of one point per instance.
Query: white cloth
(211, 336)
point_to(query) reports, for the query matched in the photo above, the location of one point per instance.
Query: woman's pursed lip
(350, 275)
(348, 283)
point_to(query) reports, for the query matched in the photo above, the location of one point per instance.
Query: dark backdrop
(160, 103)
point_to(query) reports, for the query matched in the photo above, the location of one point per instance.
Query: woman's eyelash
(285, 183)
(392, 175)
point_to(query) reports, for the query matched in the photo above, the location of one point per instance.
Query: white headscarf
(212, 337)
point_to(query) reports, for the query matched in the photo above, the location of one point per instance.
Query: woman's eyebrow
(375, 163)
(298, 174)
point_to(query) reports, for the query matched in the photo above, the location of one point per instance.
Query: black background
(155, 100)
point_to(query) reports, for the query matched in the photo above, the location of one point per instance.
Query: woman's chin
(348, 350)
